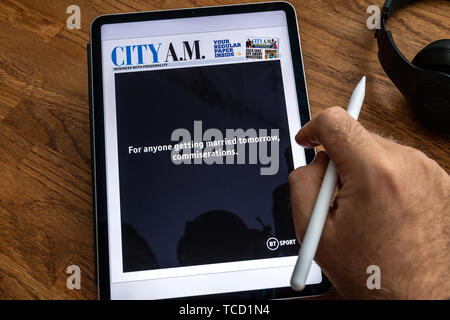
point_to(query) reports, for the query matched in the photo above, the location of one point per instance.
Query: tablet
(194, 114)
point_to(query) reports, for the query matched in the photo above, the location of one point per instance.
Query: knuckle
(295, 176)
(339, 125)
(387, 171)
(292, 178)
(424, 165)
(398, 175)
(386, 174)
(418, 155)
(331, 115)
(336, 111)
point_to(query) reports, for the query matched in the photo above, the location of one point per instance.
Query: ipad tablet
(194, 114)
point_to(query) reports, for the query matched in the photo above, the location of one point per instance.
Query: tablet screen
(200, 118)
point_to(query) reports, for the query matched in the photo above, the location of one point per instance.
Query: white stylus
(322, 206)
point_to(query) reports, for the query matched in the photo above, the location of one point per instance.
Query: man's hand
(392, 210)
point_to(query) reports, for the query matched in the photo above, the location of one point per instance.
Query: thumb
(304, 184)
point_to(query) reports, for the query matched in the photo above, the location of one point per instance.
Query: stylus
(322, 206)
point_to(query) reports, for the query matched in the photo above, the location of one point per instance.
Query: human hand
(392, 210)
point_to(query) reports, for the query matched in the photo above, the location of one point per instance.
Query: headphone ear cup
(431, 103)
(431, 99)
(434, 57)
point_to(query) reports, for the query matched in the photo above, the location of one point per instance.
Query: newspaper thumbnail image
(261, 48)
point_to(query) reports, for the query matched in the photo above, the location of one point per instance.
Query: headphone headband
(426, 90)
(397, 67)
(402, 72)
(390, 6)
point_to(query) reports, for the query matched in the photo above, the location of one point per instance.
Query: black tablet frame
(97, 122)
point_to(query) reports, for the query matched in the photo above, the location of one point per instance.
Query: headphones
(424, 82)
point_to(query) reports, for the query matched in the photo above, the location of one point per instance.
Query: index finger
(346, 141)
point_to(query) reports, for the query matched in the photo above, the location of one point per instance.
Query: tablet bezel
(97, 119)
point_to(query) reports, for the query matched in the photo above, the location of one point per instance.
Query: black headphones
(424, 82)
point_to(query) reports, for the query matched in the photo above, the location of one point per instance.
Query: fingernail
(306, 145)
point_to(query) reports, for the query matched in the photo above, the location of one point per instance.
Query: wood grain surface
(46, 217)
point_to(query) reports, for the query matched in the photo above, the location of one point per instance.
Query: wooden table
(46, 218)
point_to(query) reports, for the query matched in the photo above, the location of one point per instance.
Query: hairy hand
(392, 210)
